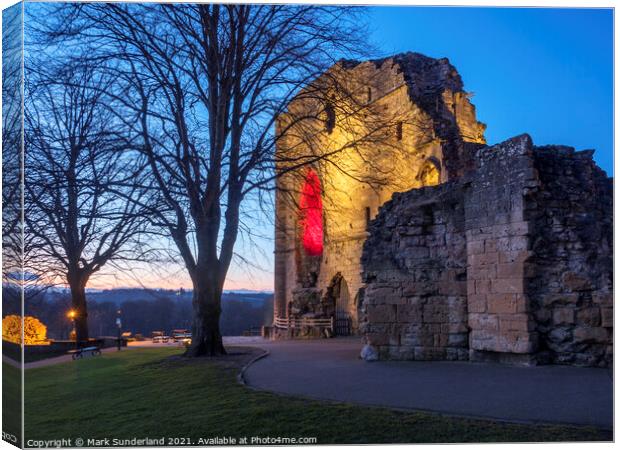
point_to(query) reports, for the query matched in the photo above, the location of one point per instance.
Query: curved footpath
(331, 370)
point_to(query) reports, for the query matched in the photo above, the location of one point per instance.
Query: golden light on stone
(362, 156)
(429, 174)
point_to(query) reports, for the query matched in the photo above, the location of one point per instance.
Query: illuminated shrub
(35, 333)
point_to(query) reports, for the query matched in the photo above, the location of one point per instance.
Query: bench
(79, 353)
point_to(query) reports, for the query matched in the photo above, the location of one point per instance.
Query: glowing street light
(71, 315)
(118, 328)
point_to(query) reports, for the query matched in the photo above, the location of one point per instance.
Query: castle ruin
(395, 221)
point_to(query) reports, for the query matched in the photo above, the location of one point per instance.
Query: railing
(288, 323)
(254, 331)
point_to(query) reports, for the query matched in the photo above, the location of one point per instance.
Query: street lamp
(71, 315)
(118, 327)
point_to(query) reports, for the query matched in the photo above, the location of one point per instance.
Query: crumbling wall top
(423, 74)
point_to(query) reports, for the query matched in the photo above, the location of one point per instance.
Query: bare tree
(12, 242)
(80, 178)
(206, 84)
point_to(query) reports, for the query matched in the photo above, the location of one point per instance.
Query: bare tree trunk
(236, 63)
(206, 336)
(78, 303)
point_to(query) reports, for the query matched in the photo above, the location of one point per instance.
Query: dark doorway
(342, 311)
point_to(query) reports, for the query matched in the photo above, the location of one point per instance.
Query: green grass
(151, 393)
(11, 400)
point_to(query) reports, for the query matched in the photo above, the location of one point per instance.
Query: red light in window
(311, 212)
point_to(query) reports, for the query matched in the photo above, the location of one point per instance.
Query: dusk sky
(547, 72)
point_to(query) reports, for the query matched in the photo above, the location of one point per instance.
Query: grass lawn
(156, 393)
(11, 400)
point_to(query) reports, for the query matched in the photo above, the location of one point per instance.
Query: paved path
(51, 361)
(331, 370)
(228, 340)
(233, 340)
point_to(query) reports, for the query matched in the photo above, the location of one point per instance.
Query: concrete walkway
(331, 370)
(51, 361)
(233, 340)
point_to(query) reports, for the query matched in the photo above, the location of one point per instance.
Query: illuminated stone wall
(512, 262)
(399, 123)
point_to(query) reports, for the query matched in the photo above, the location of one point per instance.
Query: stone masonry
(402, 226)
(415, 267)
(511, 262)
(570, 289)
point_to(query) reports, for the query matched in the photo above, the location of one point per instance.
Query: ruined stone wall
(571, 291)
(497, 249)
(415, 303)
(515, 259)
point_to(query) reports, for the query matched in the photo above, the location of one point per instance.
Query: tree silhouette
(79, 178)
(203, 86)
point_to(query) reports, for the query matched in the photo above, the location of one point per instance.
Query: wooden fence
(291, 323)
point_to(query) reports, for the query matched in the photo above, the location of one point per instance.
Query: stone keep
(359, 133)
(393, 217)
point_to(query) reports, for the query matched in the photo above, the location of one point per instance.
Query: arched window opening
(399, 131)
(368, 94)
(429, 174)
(330, 117)
(311, 215)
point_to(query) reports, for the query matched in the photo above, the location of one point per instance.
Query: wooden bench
(80, 352)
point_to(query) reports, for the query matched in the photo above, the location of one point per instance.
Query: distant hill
(146, 310)
(131, 294)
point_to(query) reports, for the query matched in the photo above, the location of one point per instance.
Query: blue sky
(547, 72)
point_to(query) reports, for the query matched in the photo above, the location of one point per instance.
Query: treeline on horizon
(142, 311)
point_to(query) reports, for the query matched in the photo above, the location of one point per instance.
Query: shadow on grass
(158, 393)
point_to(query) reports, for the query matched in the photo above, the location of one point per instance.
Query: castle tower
(348, 141)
